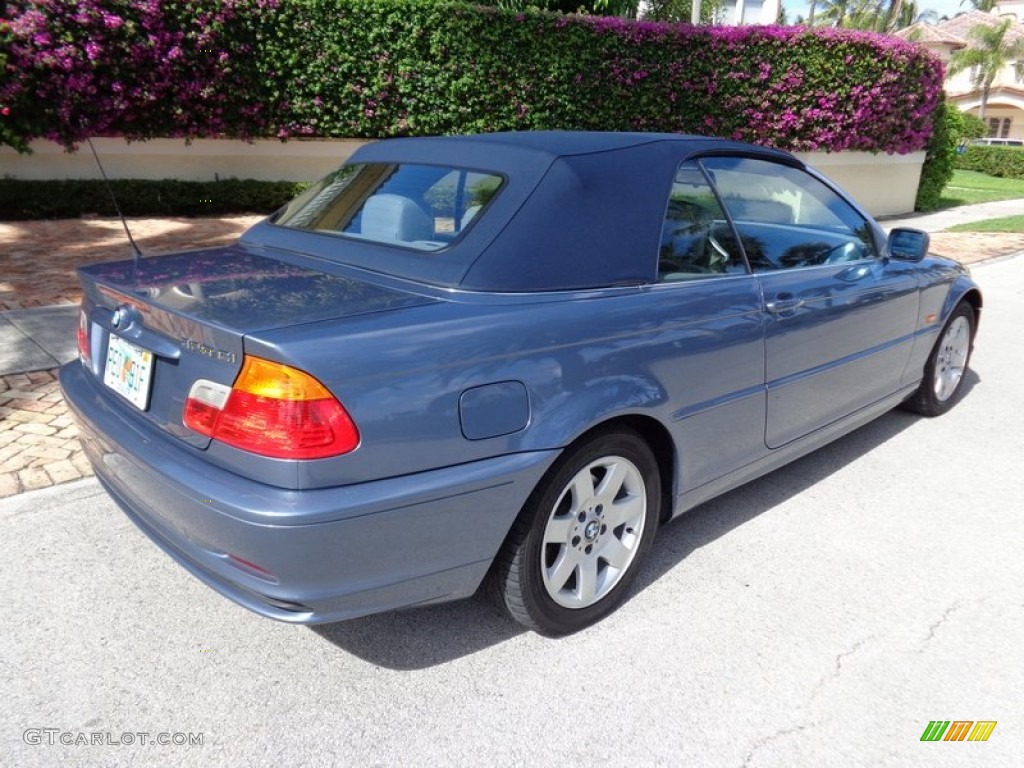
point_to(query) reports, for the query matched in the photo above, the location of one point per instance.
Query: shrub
(71, 199)
(376, 68)
(8, 135)
(138, 69)
(1005, 162)
(971, 128)
(939, 157)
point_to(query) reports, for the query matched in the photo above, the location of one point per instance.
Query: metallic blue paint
(468, 371)
(339, 552)
(493, 410)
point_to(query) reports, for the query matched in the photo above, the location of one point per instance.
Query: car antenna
(136, 253)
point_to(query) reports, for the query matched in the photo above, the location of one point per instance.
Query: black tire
(572, 554)
(947, 364)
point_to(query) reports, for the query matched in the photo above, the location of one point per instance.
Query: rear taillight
(272, 410)
(83, 336)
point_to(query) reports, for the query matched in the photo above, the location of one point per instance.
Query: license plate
(128, 371)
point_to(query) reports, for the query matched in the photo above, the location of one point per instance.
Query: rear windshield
(424, 207)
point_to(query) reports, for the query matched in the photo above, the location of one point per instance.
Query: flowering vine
(375, 68)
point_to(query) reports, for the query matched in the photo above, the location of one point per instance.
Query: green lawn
(1005, 224)
(968, 187)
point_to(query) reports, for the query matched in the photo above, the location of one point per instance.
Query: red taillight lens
(205, 401)
(272, 410)
(83, 335)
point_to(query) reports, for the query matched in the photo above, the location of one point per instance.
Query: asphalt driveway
(821, 616)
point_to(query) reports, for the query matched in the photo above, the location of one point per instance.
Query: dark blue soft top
(577, 210)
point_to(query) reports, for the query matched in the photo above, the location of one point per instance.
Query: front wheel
(582, 534)
(944, 372)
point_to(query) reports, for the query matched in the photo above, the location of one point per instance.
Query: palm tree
(836, 12)
(888, 21)
(625, 8)
(682, 10)
(992, 50)
(874, 15)
(980, 5)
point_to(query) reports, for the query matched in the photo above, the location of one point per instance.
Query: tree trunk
(892, 17)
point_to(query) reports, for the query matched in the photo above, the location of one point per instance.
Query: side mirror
(908, 244)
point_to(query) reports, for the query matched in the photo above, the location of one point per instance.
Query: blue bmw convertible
(500, 359)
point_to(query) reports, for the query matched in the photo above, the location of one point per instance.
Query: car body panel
(845, 346)
(194, 309)
(579, 358)
(470, 370)
(329, 551)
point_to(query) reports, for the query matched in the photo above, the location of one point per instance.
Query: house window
(999, 128)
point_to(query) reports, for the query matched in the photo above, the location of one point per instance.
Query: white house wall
(883, 184)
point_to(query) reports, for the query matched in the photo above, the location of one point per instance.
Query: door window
(786, 218)
(696, 239)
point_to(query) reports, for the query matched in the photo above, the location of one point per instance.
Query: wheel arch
(658, 439)
(972, 297)
(963, 289)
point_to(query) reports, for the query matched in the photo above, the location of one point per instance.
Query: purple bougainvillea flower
(146, 68)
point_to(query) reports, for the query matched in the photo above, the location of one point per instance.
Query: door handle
(784, 303)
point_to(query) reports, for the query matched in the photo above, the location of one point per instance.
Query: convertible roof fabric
(578, 210)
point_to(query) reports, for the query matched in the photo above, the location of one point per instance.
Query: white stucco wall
(883, 184)
(1014, 7)
(748, 12)
(201, 160)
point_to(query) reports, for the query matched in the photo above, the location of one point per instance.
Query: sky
(945, 7)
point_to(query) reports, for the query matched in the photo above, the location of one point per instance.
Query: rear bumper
(321, 555)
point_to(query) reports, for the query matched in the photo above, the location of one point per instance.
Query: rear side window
(415, 206)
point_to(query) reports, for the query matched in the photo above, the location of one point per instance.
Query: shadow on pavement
(419, 638)
(425, 637)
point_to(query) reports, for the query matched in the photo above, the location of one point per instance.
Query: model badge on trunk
(216, 354)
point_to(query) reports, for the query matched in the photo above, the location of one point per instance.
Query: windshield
(424, 207)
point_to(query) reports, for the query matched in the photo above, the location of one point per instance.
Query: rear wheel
(578, 543)
(943, 374)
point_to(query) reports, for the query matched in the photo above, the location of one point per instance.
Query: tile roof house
(1005, 110)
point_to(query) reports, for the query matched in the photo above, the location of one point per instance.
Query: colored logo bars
(958, 730)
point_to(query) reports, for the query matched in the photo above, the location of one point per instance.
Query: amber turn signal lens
(272, 410)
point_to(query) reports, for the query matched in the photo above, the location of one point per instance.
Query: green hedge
(379, 68)
(384, 68)
(940, 157)
(1004, 162)
(71, 199)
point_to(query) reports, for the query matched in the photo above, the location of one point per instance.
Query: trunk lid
(157, 326)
